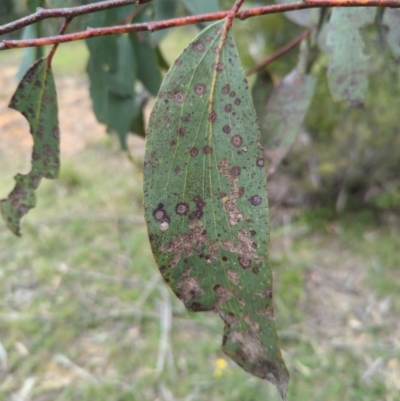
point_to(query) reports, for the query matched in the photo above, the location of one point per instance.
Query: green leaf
(196, 7)
(348, 66)
(391, 18)
(36, 99)
(147, 66)
(31, 54)
(285, 111)
(261, 91)
(164, 9)
(205, 200)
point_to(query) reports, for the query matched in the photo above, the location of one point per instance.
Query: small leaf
(261, 91)
(391, 18)
(348, 66)
(284, 114)
(205, 200)
(36, 99)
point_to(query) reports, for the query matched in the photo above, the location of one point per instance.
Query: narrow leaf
(348, 66)
(284, 114)
(36, 99)
(261, 92)
(391, 18)
(206, 201)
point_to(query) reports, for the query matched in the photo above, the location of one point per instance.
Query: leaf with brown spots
(205, 200)
(36, 99)
(348, 66)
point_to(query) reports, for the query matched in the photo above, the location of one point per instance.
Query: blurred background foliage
(343, 158)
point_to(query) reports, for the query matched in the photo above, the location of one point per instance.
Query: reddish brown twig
(269, 59)
(158, 25)
(72, 12)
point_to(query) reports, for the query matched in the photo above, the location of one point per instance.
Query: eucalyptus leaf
(205, 200)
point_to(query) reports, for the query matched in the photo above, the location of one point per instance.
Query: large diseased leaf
(36, 99)
(285, 111)
(348, 66)
(391, 18)
(206, 201)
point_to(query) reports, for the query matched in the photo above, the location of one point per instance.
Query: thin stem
(158, 25)
(64, 27)
(72, 12)
(284, 49)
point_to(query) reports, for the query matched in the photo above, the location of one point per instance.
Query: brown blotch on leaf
(236, 141)
(255, 200)
(235, 171)
(253, 233)
(232, 94)
(244, 262)
(241, 191)
(260, 162)
(194, 152)
(56, 133)
(226, 89)
(178, 62)
(172, 143)
(182, 209)
(218, 66)
(207, 149)
(224, 258)
(198, 46)
(237, 101)
(255, 270)
(216, 50)
(178, 96)
(209, 38)
(200, 89)
(212, 116)
(180, 131)
(196, 306)
(228, 108)
(227, 129)
(177, 170)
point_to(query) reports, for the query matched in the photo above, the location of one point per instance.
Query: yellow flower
(221, 368)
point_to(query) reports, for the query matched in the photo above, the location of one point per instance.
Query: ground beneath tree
(339, 306)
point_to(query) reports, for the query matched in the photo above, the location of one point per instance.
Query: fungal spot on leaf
(218, 66)
(233, 276)
(223, 295)
(164, 226)
(198, 46)
(190, 287)
(200, 89)
(177, 170)
(209, 38)
(178, 62)
(232, 94)
(160, 214)
(255, 200)
(216, 50)
(182, 208)
(260, 162)
(226, 89)
(235, 171)
(255, 270)
(228, 108)
(172, 143)
(194, 152)
(227, 129)
(212, 116)
(207, 149)
(237, 101)
(181, 131)
(236, 141)
(224, 258)
(178, 96)
(189, 243)
(244, 262)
